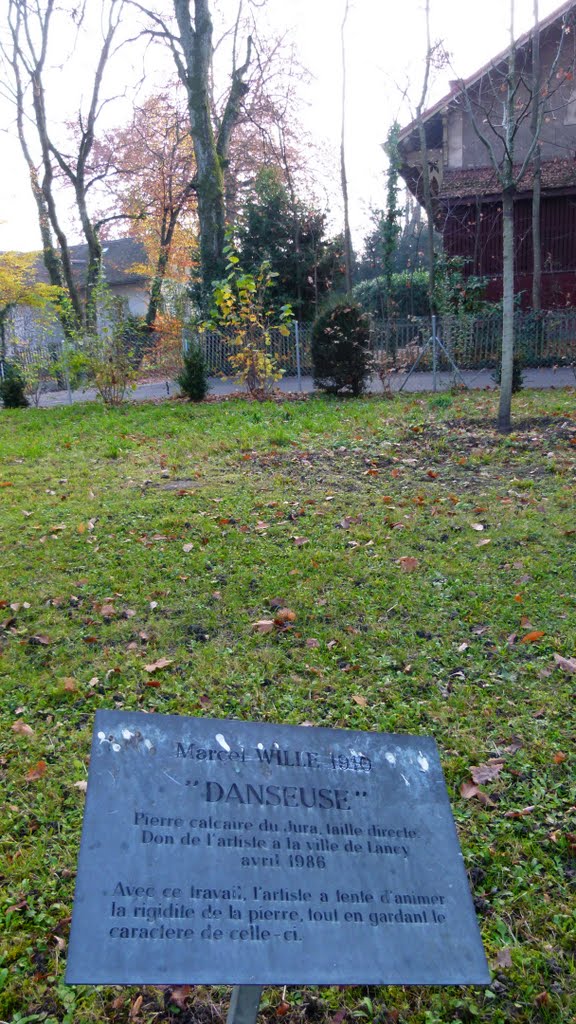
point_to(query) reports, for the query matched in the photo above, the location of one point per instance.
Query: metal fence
(290, 352)
(470, 342)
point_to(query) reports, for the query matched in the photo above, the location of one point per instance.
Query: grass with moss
(429, 563)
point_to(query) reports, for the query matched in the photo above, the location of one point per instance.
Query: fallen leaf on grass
(361, 701)
(469, 791)
(40, 640)
(542, 999)
(407, 563)
(300, 541)
(482, 543)
(187, 548)
(520, 814)
(349, 521)
(531, 637)
(282, 1009)
(69, 684)
(36, 773)
(22, 729)
(263, 626)
(136, 1007)
(161, 663)
(503, 958)
(284, 616)
(180, 994)
(559, 757)
(312, 642)
(566, 664)
(477, 526)
(487, 772)
(82, 785)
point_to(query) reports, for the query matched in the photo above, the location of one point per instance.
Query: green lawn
(430, 565)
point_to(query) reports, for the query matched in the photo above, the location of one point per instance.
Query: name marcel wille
(277, 757)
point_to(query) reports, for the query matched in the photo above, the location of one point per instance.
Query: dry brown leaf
(284, 616)
(69, 684)
(82, 785)
(536, 634)
(180, 994)
(559, 757)
(187, 548)
(408, 563)
(37, 772)
(136, 1007)
(566, 664)
(520, 814)
(482, 543)
(300, 541)
(161, 663)
(312, 642)
(477, 526)
(361, 701)
(263, 626)
(40, 640)
(22, 729)
(503, 959)
(468, 790)
(487, 772)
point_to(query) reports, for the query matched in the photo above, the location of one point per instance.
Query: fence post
(298, 364)
(434, 356)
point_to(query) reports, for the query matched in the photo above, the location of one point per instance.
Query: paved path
(545, 378)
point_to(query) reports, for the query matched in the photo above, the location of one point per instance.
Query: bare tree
(536, 164)
(348, 254)
(426, 189)
(150, 171)
(33, 35)
(507, 102)
(190, 39)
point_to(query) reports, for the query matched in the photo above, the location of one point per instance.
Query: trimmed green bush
(12, 386)
(341, 349)
(193, 378)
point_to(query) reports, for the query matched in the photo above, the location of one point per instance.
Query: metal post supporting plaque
(244, 1004)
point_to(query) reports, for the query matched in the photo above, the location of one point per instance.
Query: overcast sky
(385, 47)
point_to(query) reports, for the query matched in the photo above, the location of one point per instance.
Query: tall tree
(150, 178)
(426, 185)
(348, 254)
(290, 234)
(191, 43)
(35, 30)
(536, 164)
(498, 113)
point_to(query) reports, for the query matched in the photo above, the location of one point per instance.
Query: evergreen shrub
(193, 378)
(12, 388)
(341, 349)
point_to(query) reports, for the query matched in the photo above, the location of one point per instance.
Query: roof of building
(473, 181)
(122, 259)
(462, 86)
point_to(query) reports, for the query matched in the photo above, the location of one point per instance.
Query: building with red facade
(465, 184)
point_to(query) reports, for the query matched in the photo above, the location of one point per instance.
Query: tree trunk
(536, 233)
(507, 363)
(348, 257)
(427, 193)
(210, 152)
(537, 166)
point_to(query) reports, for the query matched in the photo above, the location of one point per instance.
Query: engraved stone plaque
(244, 853)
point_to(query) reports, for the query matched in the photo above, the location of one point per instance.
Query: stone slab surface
(226, 852)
